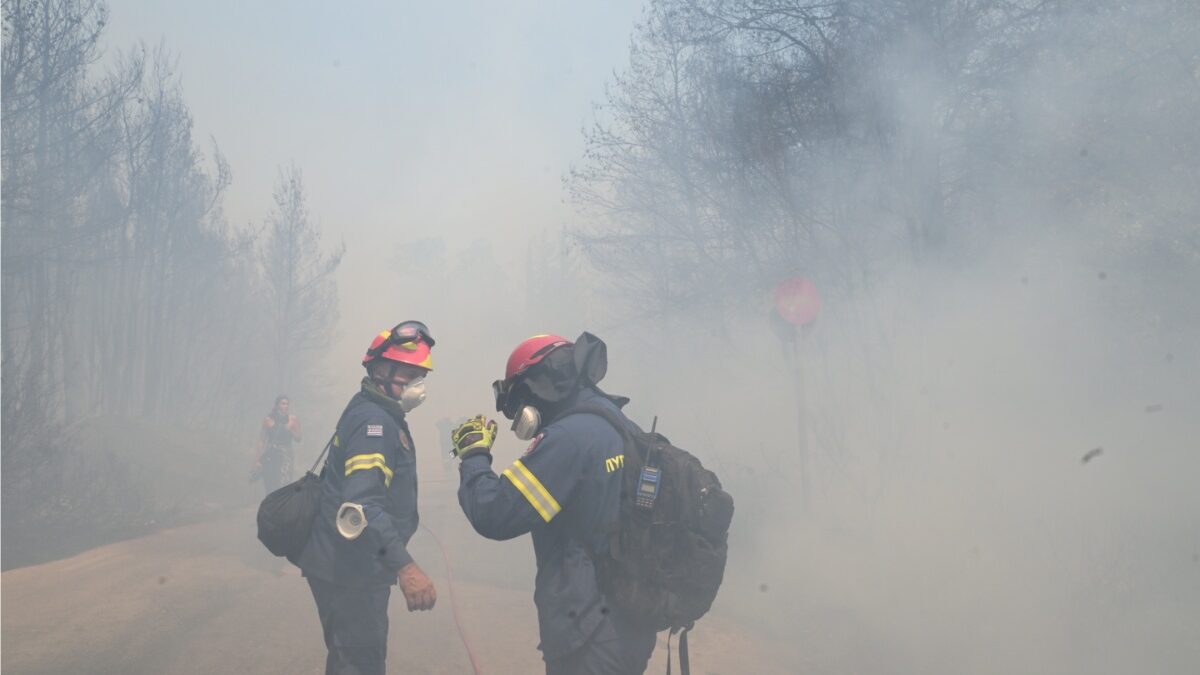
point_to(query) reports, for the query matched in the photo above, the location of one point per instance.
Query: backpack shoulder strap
(609, 416)
(618, 422)
(632, 466)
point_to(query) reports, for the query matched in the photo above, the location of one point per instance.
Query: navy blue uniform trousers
(355, 623)
(614, 649)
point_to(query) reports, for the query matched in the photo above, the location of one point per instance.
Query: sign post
(796, 307)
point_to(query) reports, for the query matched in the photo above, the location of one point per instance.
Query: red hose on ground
(454, 602)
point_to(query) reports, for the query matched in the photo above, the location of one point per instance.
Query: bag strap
(685, 665)
(617, 423)
(598, 410)
(631, 451)
(321, 456)
(669, 636)
(329, 444)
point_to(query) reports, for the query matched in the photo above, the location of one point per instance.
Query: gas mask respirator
(517, 402)
(511, 401)
(526, 422)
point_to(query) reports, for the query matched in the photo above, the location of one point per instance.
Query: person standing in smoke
(565, 490)
(273, 455)
(368, 509)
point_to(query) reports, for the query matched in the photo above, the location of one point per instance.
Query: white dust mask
(413, 394)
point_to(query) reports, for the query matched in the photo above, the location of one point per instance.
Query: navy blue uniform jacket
(372, 462)
(565, 490)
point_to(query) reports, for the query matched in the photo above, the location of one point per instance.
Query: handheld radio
(647, 490)
(648, 482)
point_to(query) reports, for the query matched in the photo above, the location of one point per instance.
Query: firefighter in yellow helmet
(358, 547)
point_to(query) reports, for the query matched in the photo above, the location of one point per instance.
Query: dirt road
(208, 598)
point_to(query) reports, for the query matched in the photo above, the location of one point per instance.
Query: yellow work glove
(473, 437)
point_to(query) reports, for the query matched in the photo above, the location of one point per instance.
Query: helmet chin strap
(387, 384)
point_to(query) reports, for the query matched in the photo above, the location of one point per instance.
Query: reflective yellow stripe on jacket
(536, 493)
(372, 461)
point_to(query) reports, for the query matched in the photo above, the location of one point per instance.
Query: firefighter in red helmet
(527, 419)
(368, 512)
(565, 491)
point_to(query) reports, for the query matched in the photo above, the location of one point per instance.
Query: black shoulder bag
(285, 517)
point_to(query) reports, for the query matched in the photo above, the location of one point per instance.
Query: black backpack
(286, 515)
(666, 555)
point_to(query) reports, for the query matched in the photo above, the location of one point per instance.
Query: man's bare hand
(417, 588)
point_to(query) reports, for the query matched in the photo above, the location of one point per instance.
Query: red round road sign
(797, 301)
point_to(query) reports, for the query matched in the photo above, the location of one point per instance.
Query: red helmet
(409, 342)
(530, 352)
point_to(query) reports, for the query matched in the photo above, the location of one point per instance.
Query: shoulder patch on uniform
(404, 442)
(615, 462)
(374, 429)
(536, 439)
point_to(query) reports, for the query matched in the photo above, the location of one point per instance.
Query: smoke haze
(996, 412)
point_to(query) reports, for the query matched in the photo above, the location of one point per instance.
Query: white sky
(407, 119)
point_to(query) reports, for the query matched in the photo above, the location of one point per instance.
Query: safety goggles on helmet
(403, 333)
(506, 403)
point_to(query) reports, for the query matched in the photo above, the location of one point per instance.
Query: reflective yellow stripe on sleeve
(537, 484)
(535, 493)
(372, 461)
